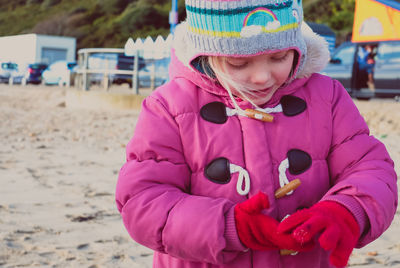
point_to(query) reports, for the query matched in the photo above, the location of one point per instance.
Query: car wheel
(363, 98)
(362, 94)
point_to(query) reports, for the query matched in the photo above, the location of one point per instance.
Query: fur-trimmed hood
(316, 58)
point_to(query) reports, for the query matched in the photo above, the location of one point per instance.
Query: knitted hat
(244, 27)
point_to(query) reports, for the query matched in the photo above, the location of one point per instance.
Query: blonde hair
(214, 68)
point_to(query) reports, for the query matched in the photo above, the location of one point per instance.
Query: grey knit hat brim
(200, 45)
(313, 48)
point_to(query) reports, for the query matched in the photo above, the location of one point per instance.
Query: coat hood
(315, 60)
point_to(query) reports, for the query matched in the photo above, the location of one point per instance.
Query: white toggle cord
(283, 180)
(276, 109)
(235, 111)
(243, 175)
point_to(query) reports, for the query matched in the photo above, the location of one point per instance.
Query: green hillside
(109, 23)
(95, 23)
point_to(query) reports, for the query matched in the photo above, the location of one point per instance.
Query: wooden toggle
(259, 115)
(281, 192)
(285, 252)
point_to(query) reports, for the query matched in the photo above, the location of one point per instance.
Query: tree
(50, 3)
(113, 6)
(337, 14)
(32, 2)
(142, 15)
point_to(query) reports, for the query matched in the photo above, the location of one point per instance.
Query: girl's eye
(280, 57)
(237, 64)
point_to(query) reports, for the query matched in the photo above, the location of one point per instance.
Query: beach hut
(37, 48)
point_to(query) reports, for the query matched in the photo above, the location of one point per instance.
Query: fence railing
(142, 63)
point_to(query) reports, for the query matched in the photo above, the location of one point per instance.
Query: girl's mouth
(262, 92)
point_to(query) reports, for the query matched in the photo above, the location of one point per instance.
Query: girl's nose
(260, 75)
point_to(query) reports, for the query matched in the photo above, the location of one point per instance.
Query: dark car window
(9, 66)
(389, 52)
(126, 62)
(71, 65)
(38, 66)
(345, 55)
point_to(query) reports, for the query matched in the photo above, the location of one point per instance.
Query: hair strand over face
(215, 68)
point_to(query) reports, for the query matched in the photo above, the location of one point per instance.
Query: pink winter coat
(168, 202)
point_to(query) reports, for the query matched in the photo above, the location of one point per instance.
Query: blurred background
(109, 23)
(89, 42)
(64, 124)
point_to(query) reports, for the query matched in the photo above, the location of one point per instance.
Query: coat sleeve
(153, 197)
(361, 170)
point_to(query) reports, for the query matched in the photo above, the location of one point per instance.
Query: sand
(59, 167)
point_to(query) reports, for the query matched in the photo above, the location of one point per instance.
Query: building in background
(36, 48)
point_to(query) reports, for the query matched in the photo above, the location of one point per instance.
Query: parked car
(34, 73)
(29, 74)
(97, 63)
(161, 74)
(126, 63)
(59, 73)
(344, 67)
(7, 71)
(148, 70)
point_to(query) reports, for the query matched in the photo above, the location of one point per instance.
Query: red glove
(258, 231)
(337, 226)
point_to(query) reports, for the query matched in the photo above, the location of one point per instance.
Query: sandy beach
(58, 171)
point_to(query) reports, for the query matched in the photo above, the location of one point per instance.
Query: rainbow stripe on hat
(243, 27)
(240, 18)
(256, 12)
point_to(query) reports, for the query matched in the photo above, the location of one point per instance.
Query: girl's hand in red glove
(338, 229)
(258, 231)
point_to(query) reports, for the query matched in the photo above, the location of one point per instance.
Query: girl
(245, 116)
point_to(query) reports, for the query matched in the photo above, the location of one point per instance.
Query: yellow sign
(376, 20)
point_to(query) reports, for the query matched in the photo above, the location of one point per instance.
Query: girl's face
(261, 75)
